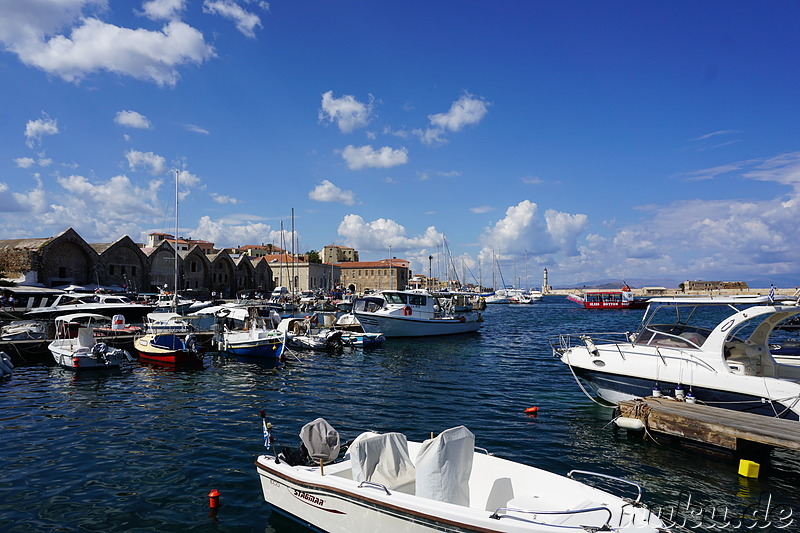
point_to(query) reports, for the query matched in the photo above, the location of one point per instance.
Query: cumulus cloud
(132, 119)
(328, 192)
(522, 229)
(36, 129)
(367, 157)
(156, 163)
(227, 233)
(31, 30)
(163, 9)
(25, 162)
(465, 111)
(222, 199)
(246, 21)
(379, 235)
(347, 112)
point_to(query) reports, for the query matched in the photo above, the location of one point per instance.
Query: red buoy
(213, 499)
(533, 409)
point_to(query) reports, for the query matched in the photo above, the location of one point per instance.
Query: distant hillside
(638, 283)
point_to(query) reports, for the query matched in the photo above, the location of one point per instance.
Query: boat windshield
(395, 297)
(680, 326)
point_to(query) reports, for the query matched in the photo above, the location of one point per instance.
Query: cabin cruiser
(621, 298)
(385, 482)
(712, 350)
(413, 313)
(99, 303)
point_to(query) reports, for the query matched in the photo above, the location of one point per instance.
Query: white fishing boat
(243, 331)
(75, 346)
(305, 334)
(712, 350)
(386, 483)
(413, 313)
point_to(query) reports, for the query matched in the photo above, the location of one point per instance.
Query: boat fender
(626, 422)
(407, 310)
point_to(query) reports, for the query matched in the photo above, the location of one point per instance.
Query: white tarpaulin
(321, 440)
(444, 465)
(382, 459)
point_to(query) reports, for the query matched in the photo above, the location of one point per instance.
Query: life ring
(407, 310)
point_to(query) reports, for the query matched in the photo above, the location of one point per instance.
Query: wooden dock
(722, 428)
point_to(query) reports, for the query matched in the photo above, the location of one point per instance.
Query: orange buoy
(533, 409)
(213, 499)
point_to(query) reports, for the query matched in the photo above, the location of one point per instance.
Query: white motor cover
(321, 440)
(444, 465)
(382, 459)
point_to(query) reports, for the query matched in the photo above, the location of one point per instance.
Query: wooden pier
(731, 430)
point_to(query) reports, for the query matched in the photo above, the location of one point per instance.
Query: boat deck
(723, 428)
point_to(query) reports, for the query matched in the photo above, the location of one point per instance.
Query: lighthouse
(545, 284)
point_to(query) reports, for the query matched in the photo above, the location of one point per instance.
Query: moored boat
(386, 483)
(712, 350)
(76, 348)
(244, 332)
(412, 313)
(621, 298)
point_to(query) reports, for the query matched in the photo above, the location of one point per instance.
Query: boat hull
(616, 388)
(82, 358)
(272, 348)
(409, 326)
(166, 349)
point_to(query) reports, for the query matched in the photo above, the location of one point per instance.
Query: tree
(313, 256)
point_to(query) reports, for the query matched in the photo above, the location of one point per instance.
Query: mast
(175, 281)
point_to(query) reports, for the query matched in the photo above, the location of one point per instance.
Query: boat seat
(744, 358)
(383, 459)
(444, 466)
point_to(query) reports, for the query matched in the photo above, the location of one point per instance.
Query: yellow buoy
(748, 468)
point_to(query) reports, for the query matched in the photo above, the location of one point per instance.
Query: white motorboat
(500, 296)
(305, 334)
(713, 350)
(413, 313)
(386, 483)
(106, 304)
(75, 346)
(243, 331)
(18, 330)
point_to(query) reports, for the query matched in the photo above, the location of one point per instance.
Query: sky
(620, 140)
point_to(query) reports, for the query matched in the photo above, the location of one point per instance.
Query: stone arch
(68, 259)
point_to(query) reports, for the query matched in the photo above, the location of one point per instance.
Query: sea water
(139, 449)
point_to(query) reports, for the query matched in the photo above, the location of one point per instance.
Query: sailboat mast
(175, 280)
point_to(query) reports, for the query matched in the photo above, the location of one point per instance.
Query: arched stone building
(122, 264)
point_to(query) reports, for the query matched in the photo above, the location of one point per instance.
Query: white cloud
(156, 163)
(328, 192)
(196, 129)
(163, 9)
(36, 129)
(478, 210)
(30, 29)
(245, 21)
(132, 119)
(367, 157)
(188, 179)
(379, 235)
(222, 199)
(25, 162)
(348, 113)
(465, 111)
(227, 233)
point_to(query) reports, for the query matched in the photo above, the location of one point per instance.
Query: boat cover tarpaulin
(444, 465)
(321, 440)
(382, 458)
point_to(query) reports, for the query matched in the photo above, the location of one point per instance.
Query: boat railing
(374, 485)
(571, 475)
(562, 343)
(497, 516)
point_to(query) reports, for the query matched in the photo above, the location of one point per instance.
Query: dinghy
(384, 482)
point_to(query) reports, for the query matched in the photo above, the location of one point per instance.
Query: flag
(267, 435)
(772, 294)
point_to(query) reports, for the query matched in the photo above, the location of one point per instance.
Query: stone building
(333, 253)
(67, 259)
(299, 274)
(359, 276)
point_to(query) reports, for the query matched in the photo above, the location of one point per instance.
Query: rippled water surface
(140, 448)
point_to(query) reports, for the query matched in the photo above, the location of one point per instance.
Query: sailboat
(164, 345)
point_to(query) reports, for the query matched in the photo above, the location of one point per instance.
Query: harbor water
(139, 449)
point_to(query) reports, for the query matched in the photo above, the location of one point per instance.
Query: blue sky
(602, 140)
